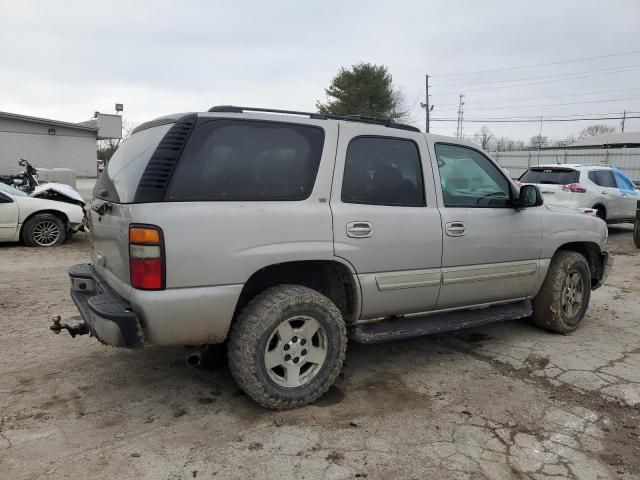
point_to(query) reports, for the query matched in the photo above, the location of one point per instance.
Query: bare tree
(485, 138)
(506, 144)
(106, 148)
(598, 129)
(537, 142)
(563, 142)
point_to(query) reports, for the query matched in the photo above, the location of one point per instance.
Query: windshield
(119, 180)
(4, 188)
(553, 176)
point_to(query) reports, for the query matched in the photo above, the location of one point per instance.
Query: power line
(546, 81)
(532, 120)
(541, 97)
(556, 104)
(568, 74)
(583, 59)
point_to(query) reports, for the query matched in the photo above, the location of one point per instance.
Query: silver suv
(283, 233)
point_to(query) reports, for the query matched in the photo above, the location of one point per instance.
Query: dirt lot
(509, 401)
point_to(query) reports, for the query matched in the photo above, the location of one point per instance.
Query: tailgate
(109, 224)
(553, 194)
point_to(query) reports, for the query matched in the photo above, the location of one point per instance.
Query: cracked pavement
(500, 402)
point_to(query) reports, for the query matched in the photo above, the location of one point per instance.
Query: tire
(636, 234)
(44, 230)
(274, 329)
(549, 312)
(601, 213)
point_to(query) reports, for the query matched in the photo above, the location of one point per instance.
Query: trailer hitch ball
(57, 327)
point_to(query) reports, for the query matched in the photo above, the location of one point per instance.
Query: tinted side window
(245, 160)
(469, 179)
(383, 171)
(602, 178)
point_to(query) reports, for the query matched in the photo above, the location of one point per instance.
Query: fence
(626, 159)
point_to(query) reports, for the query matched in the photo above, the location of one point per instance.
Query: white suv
(606, 189)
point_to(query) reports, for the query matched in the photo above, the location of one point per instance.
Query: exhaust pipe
(194, 357)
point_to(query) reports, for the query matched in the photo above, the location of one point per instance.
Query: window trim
(380, 204)
(202, 121)
(512, 189)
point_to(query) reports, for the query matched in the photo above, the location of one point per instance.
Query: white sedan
(36, 221)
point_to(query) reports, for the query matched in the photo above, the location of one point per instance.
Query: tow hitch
(57, 327)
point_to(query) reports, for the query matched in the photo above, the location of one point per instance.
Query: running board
(431, 324)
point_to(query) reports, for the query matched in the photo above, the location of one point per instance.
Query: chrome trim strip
(408, 279)
(475, 273)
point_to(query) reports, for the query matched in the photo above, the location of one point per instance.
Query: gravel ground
(507, 401)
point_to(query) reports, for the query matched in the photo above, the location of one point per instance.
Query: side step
(431, 324)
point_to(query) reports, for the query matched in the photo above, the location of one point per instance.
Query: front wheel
(636, 234)
(44, 230)
(563, 299)
(287, 346)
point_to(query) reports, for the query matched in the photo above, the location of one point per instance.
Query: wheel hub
(295, 351)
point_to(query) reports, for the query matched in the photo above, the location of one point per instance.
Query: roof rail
(318, 116)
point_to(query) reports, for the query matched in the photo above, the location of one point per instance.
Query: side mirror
(530, 196)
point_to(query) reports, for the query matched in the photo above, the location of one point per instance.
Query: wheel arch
(592, 253)
(600, 206)
(332, 278)
(61, 215)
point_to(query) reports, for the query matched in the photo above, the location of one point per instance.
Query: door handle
(359, 229)
(455, 229)
(604, 193)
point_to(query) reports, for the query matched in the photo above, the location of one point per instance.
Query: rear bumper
(106, 314)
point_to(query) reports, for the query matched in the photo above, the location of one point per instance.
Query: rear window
(553, 176)
(248, 160)
(119, 180)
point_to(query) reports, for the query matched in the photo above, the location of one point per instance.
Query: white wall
(48, 151)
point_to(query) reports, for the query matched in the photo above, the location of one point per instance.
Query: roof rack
(318, 116)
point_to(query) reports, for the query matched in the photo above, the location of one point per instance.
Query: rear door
(112, 204)
(385, 220)
(491, 250)
(609, 194)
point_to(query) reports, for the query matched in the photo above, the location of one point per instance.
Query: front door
(491, 251)
(385, 223)
(629, 195)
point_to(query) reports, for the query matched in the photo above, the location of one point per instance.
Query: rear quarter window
(244, 160)
(119, 180)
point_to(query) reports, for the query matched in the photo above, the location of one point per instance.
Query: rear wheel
(564, 297)
(44, 230)
(636, 233)
(287, 346)
(601, 213)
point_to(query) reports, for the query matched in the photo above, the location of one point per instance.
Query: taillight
(146, 257)
(573, 188)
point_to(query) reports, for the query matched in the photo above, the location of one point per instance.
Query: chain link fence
(626, 159)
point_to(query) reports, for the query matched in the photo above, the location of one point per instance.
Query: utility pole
(426, 104)
(624, 117)
(460, 116)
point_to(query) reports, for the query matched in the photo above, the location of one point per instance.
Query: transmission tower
(460, 116)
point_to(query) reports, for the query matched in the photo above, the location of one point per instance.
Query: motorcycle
(27, 181)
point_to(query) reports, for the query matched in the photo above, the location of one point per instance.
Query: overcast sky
(64, 59)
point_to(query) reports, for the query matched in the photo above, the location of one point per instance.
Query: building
(610, 140)
(49, 143)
